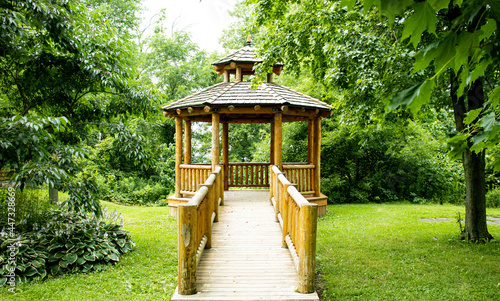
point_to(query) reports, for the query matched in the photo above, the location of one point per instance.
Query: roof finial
(249, 40)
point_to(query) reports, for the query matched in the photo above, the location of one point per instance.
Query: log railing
(248, 174)
(302, 175)
(192, 175)
(195, 220)
(298, 219)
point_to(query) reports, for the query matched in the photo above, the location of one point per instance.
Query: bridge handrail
(194, 228)
(298, 219)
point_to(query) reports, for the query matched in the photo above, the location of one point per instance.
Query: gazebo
(235, 101)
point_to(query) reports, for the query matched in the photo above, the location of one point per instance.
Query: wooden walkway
(246, 261)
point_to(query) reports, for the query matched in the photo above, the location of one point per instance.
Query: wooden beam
(215, 141)
(187, 142)
(278, 140)
(317, 156)
(178, 156)
(225, 152)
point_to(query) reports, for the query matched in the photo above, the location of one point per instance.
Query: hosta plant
(67, 242)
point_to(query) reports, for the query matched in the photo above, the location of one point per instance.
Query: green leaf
(348, 3)
(494, 96)
(114, 257)
(414, 97)
(478, 71)
(81, 260)
(488, 121)
(89, 257)
(438, 5)
(71, 258)
(487, 29)
(30, 272)
(393, 8)
(472, 115)
(458, 145)
(3, 280)
(424, 18)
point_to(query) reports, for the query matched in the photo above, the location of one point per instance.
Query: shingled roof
(241, 94)
(242, 55)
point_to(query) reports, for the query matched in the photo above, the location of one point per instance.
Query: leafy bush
(493, 198)
(393, 162)
(67, 242)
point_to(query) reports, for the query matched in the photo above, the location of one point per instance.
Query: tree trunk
(476, 228)
(53, 195)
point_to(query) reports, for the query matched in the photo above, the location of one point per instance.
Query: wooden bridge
(252, 247)
(258, 250)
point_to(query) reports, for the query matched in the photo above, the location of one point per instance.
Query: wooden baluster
(267, 174)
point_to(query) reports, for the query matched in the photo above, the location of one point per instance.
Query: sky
(205, 19)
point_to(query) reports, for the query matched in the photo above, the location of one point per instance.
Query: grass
(368, 252)
(148, 273)
(384, 252)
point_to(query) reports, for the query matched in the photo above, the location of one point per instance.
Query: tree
(60, 58)
(455, 37)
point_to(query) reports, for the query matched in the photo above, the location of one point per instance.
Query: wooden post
(187, 228)
(278, 141)
(317, 156)
(310, 141)
(269, 77)
(225, 153)
(187, 142)
(271, 152)
(226, 76)
(307, 252)
(215, 141)
(239, 76)
(178, 156)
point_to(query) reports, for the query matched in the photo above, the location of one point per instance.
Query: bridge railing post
(307, 250)
(188, 228)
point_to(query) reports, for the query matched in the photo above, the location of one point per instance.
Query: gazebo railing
(248, 174)
(194, 229)
(193, 175)
(298, 219)
(301, 174)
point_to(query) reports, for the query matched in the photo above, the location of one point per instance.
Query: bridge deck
(246, 261)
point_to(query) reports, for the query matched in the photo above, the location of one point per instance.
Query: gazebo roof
(238, 101)
(241, 94)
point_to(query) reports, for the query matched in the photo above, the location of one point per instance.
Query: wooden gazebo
(234, 101)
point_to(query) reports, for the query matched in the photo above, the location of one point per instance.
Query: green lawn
(384, 252)
(148, 273)
(369, 252)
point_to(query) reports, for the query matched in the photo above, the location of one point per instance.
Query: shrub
(493, 198)
(67, 242)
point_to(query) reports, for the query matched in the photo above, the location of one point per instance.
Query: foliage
(493, 198)
(149, 272)
(378, 163)
(64, 242)
(43, 160)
